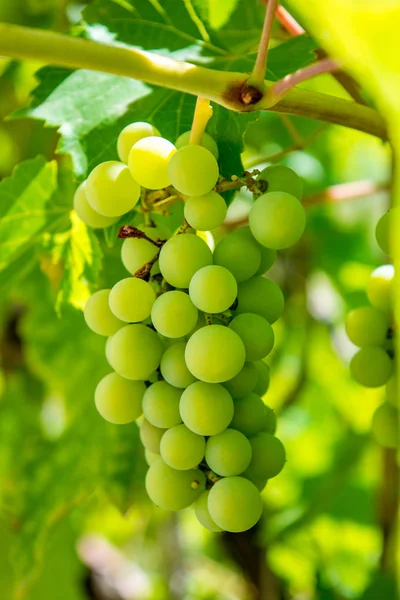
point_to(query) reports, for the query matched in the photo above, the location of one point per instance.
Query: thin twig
(297, 138)
(345, 191)
(260, 66)
(283, 86)
(288, 22)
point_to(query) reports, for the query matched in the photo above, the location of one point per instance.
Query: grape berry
(188, 331)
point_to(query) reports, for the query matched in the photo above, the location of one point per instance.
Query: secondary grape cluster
(189, 328)
(371, 328)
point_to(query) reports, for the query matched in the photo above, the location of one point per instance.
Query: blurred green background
(75, 521)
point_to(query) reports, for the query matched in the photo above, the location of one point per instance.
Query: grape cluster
(371, 329)
(188, 331)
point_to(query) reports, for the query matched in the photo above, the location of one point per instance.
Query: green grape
(151, 436)
(380, 288)
(110, 189)
(371, 366)
(98, 315)
(181, 448)
(392, 391)
(259, 482)
(235, 504)
(206, 408)
(269, 421)
(136, 252)
(148, 162)
(214, 354)
(244, 382)
(268, 258)
(108, 348)
(86, 213)
(151, 457)
(203, 514)
(261, 296)
(207, 142)
(256, 334)
(174, 314)
(239, 253)
(161, 405)
(268, 457)
(277, 220)
(180, 258)
(130, 135)
(135, 352)
(173, 366)
(279, 178)
(171, 489)
(228, 453)
(213, 289)
(249, 414)
(262, 384)
(367, 326)
(193, 170)
(205, 212)
(390, 220)
(131, 299)
(119, 400)
(385, 425)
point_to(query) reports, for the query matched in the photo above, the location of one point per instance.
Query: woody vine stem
(224, 88)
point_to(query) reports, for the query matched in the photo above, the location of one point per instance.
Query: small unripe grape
(174, 314)
(367, 326)
(172, 489)
(131, 299)
(181, 448)
(213, 289)
(161, 405)
(203, 514)
(206, 408)
(244, 382)
(239, 253)
(268, 257)
(110, 189)
(371, 366)
(119, 400)
(268, 457)
(385, 425)
(279, 178)
(390, 220)
(193, 170)
(214, 354)
(380, 288)
(261, 296)
(180, 258)
(277, 220)
(207, 142)
(148, 162)
(173, 366)
(86, 213)
(151, 457)
(98, 315)
(262, 384)
(205, 212)
(256, 334)
(150, 436)
(228, 453)
(235, 504)
(135, 352)
(249, 414)
(131, 134)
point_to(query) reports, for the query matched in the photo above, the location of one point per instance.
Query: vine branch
(224, 88)
(260, 66)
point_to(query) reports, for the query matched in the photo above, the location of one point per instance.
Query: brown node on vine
(241, 95)
(144, 272)
(128, 231)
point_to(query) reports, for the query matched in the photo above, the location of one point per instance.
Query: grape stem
(202, 114)
(260, 65)
(225, 88)
(128, 231)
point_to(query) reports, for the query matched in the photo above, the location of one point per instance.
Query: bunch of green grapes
(371, 328)
(188, 330)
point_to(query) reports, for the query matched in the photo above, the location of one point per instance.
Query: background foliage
(75, 522)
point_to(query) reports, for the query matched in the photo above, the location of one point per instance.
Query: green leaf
(26, 207)
(79, 255)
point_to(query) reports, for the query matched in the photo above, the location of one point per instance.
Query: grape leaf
(26, 207)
